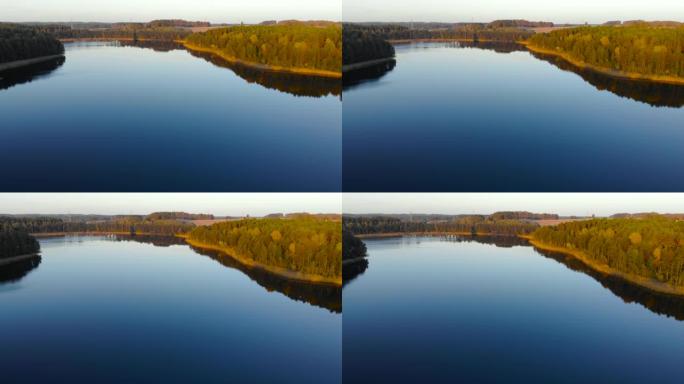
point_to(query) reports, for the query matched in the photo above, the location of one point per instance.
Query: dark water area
(147, 117)
(494, 117)
(23, 75)
(367, 74)
(140, 309)
(495, 310)
(11, 273)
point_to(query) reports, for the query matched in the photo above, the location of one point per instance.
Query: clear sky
(558, 11)
(566, 204)
(227, 204)
(216, 11)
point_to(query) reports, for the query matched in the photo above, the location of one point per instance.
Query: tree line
(19, 42)
(498, 31)
(363, 44)
(307, 244)
(644, 48)
(292, 45)
(651, 247)
(118, 224)
(352, 246)
(474, 224)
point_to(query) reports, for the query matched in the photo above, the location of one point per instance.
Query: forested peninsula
(362, 45)
(297, 47)
(645, 51)
(25, 46)
(306, 248)
(16, 243)
(647, 251)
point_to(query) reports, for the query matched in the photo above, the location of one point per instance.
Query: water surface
(112, 310)
(486, 311)
(156, 118)
(463, 117)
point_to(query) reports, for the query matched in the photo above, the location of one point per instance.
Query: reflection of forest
(29, 73)
(659, 303)
(352, 270)
(367, 74)
(654, 94)
(320, 295)
(12, 273)
(291, 83)
(155, 45)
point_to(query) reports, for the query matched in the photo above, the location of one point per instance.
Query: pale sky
(216, 11)
(565, 204)
(558, 11)
(219, 204)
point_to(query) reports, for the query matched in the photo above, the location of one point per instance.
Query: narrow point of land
(648, 283)
(264, 67)
(14, 259)
(27, 62)
(249, 262)
(366, 64)
(603, 70)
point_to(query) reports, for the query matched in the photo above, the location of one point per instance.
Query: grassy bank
(603, 70)
(651, 284)
(251, 263)
(264, 67)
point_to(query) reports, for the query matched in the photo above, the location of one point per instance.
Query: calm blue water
(434, 311)
(448, 118)
(116, 118)
(97, 310)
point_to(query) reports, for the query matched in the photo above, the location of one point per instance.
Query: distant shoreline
(605, 71)
(265, 67)
(26, 62)
(641, 281)
(427, 234)
(248, 262)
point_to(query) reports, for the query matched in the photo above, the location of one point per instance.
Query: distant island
(22, 46)
(638, 50)
(296, 47)
(296, 246)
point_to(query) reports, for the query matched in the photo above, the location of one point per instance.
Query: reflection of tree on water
(660, 303)
(292, 83)
(498, 241)
(368, 74)
(156, 240)
(652, 93)
(29, 73)
(319, 295)
(155, 45)
(12, 273)
(352, 270)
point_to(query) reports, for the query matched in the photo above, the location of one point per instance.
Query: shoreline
(366, 64)
(427, 234)
(45, 235)
(446, 40)
(250, 263)
(14, 259)
(26, 62)
(602, 70)
(641, 281)
(265, 67)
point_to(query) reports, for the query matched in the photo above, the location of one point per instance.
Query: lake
(122, 309)
(494, 310)
(155, 117)
(495, 117)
